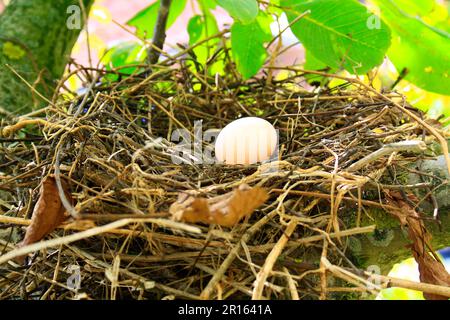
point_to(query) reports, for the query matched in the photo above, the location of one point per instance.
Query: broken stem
(409, 145)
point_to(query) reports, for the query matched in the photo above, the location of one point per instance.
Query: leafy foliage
(336, 32)
(199, 28)
(418, 48)
(312, 63)
(245, 11)
(415, 8)
(247, 45)
(207, 4)
(145, 20)
(123, 55)
(337, 35)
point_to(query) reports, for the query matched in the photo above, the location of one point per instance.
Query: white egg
(246, 141)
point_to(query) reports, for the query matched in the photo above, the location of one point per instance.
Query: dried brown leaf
(226, 210)
(431, 269)
(48, 212)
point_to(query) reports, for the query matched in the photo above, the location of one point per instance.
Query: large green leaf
(145, 20)
(339, 33)
(274, 7)
(419, 49)
(416, 7)
(199, 28)
(312, 63)
(247, 44)
(207, 4)
(122, 55)
(245, 11)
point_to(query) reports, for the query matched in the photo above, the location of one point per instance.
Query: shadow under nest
(112, 145)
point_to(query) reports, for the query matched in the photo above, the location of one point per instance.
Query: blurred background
(107, 28)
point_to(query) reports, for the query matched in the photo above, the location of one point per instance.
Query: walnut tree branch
(160, 32)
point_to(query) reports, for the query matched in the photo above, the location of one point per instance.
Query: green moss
(381, 237)
(35, 30)
(380, 218)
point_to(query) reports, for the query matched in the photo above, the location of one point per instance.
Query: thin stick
(86, 234)
(287, 27)
(62, 195)
(29, 85)
(232, 255)
(323, 270)
(388, 282)
(409, 145)
(433, 131)
(82, 225)
(327, 196)
(291, 285)
(270, 261)
(8, 130)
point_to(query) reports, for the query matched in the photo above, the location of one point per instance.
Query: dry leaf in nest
(225, 210)
(48, 212)
(431, 269)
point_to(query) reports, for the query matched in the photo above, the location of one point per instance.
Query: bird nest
(93, 177)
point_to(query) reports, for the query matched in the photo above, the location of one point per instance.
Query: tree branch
(159, 36)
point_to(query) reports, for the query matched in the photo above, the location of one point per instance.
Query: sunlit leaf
(421, 50)
(245, 11)
(340, 33)
(145, 20)
(437, 105)
(122, 55)
(207, 4)
(416, 7)
(312, 63)
(200, 28)
(274, 7)
(100, 13)
(247, 44)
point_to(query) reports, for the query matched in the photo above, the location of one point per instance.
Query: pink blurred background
(104, 30)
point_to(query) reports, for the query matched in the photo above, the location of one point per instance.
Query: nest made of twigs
(112, 145)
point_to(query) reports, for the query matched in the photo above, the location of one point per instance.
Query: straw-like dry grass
(112, 144)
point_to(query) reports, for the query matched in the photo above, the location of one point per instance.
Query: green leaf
(417, 7)
(247, 44)
(145, 20)
(207, 4)
(274, 7)
(124, 54)
(199, 28)
(195, 29)
(12, 51)
(418, 48)
(312, 63)
(245, 11)
(340, 33)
